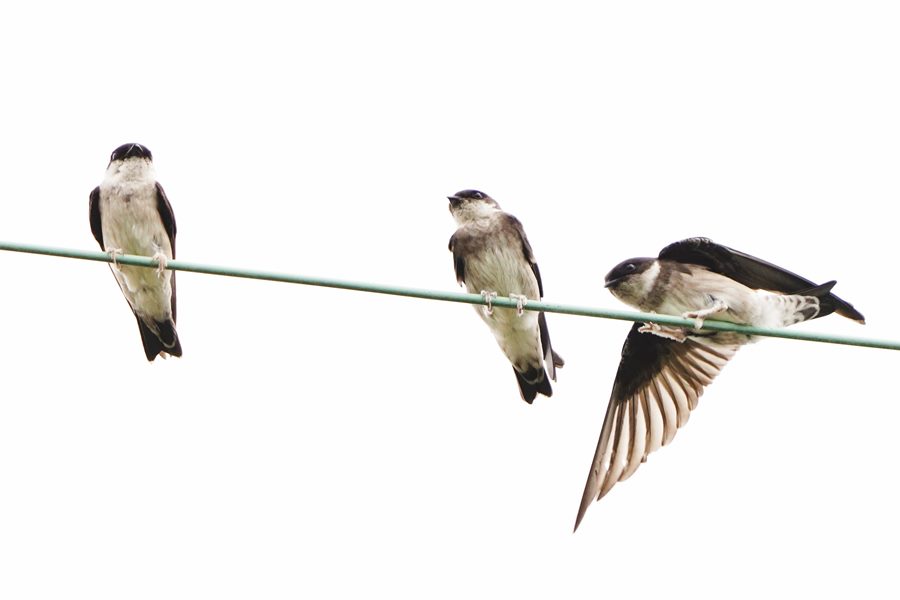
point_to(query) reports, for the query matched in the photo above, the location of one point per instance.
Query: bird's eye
(630, 268)
(478, 196)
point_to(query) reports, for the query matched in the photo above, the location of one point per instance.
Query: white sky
(323, 443)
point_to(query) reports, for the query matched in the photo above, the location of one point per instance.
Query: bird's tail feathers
(532, 382)
(807, 304)
(159, 338)
(829, 303)
(825, 297)
(832, 304)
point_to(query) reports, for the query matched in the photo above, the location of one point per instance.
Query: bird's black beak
(454, 200)
(612, 282)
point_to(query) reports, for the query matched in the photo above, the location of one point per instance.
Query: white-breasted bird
(130, 214)
(663, 370)
(492, 256)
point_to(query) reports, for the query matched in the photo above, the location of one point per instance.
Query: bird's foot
(521, 301)
(113, 253)
(700, 314)
(676, 334)
(162, 261)
(489, 302)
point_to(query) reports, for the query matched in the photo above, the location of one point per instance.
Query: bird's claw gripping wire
(521, 301)
(162, 261)
(488, 299)
(113, 253)
(700, 315)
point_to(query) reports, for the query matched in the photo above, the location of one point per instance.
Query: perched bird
(492, 256)
(130, 214)
(663, 370)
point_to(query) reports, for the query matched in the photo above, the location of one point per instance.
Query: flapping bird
(664, 370)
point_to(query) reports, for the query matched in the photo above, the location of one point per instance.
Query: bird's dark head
(471, 204)
(130, 151)
(627, 269)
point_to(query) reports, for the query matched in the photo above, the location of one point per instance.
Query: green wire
(603, 313)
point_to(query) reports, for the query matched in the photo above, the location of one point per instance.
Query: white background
(322, 443)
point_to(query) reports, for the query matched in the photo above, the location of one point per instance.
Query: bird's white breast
(701, 288)
(498, 264)
(131, 223)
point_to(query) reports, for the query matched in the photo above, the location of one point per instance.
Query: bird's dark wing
(166, 214)
(168, 220)
(526, 250)
(750, 271)
(658, 384)
(551, 359)
(94, 210)
(457, 247)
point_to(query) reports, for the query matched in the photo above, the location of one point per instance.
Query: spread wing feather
(657, 385)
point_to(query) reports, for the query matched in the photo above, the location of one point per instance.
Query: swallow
(664, 370)
(130, 214)
(492, 257)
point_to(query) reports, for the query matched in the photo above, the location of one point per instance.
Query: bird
(492, 257)
(664, 370)
(130, 214)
